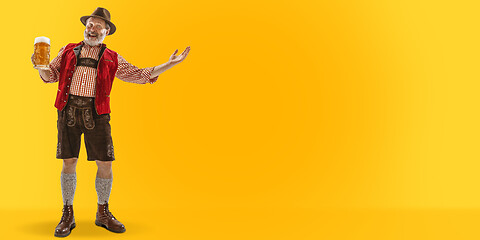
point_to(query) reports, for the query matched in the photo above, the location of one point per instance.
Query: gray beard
(92, 43)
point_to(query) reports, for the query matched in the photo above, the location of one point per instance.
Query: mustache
(98, 37)
(102, 32)
(93, 34)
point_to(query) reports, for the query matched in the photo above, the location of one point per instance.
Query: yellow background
(288, 120)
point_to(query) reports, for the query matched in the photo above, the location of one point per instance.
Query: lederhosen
(79, 117)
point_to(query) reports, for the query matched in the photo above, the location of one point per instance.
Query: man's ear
(108, 31)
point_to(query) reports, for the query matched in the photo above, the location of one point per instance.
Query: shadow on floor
(83, 228)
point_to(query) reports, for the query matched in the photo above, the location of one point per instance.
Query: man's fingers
(182, 56)
(185, 52)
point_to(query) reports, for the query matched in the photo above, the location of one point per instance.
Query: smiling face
(95, 31)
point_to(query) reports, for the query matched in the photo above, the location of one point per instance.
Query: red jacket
(107, 67)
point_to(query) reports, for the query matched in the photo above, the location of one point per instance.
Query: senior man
(85, 72)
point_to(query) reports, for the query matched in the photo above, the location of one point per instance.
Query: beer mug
(41, 55)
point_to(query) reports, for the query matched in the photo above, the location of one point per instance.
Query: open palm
(177, 59)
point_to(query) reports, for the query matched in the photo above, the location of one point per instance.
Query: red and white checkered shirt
(83, 80)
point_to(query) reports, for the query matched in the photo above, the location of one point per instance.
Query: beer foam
(42, 39)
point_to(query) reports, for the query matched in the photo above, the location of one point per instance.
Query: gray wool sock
(68, 182)
(103, 187)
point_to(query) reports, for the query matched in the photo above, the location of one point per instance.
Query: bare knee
(69, 165)
(104, 164)
(104, 169)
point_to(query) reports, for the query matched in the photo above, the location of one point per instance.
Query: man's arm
(174, 60)
(130, 73)
(157, 70)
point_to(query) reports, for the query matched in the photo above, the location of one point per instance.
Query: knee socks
(68, 182)
(103, 187)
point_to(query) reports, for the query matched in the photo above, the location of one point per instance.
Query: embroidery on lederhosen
(59, 149)
(81, 102)
(60, 126)
(70, 116)
(84, 106)
(88, 120)
(110, 150)
(87, 62)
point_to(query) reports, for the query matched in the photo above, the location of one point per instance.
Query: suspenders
(87, 62)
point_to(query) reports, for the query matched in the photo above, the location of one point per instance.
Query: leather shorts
(77, 118)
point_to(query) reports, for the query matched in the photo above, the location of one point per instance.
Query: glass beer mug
(41, 55)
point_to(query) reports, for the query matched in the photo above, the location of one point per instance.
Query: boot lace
(107, 212)
(66, 213)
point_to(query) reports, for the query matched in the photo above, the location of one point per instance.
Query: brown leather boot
(67, 223)
(106, 219)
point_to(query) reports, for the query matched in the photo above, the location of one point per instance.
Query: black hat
(101, 13)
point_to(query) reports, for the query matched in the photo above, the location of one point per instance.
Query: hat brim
(112, 26)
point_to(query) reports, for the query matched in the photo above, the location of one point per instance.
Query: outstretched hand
(177, 59)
